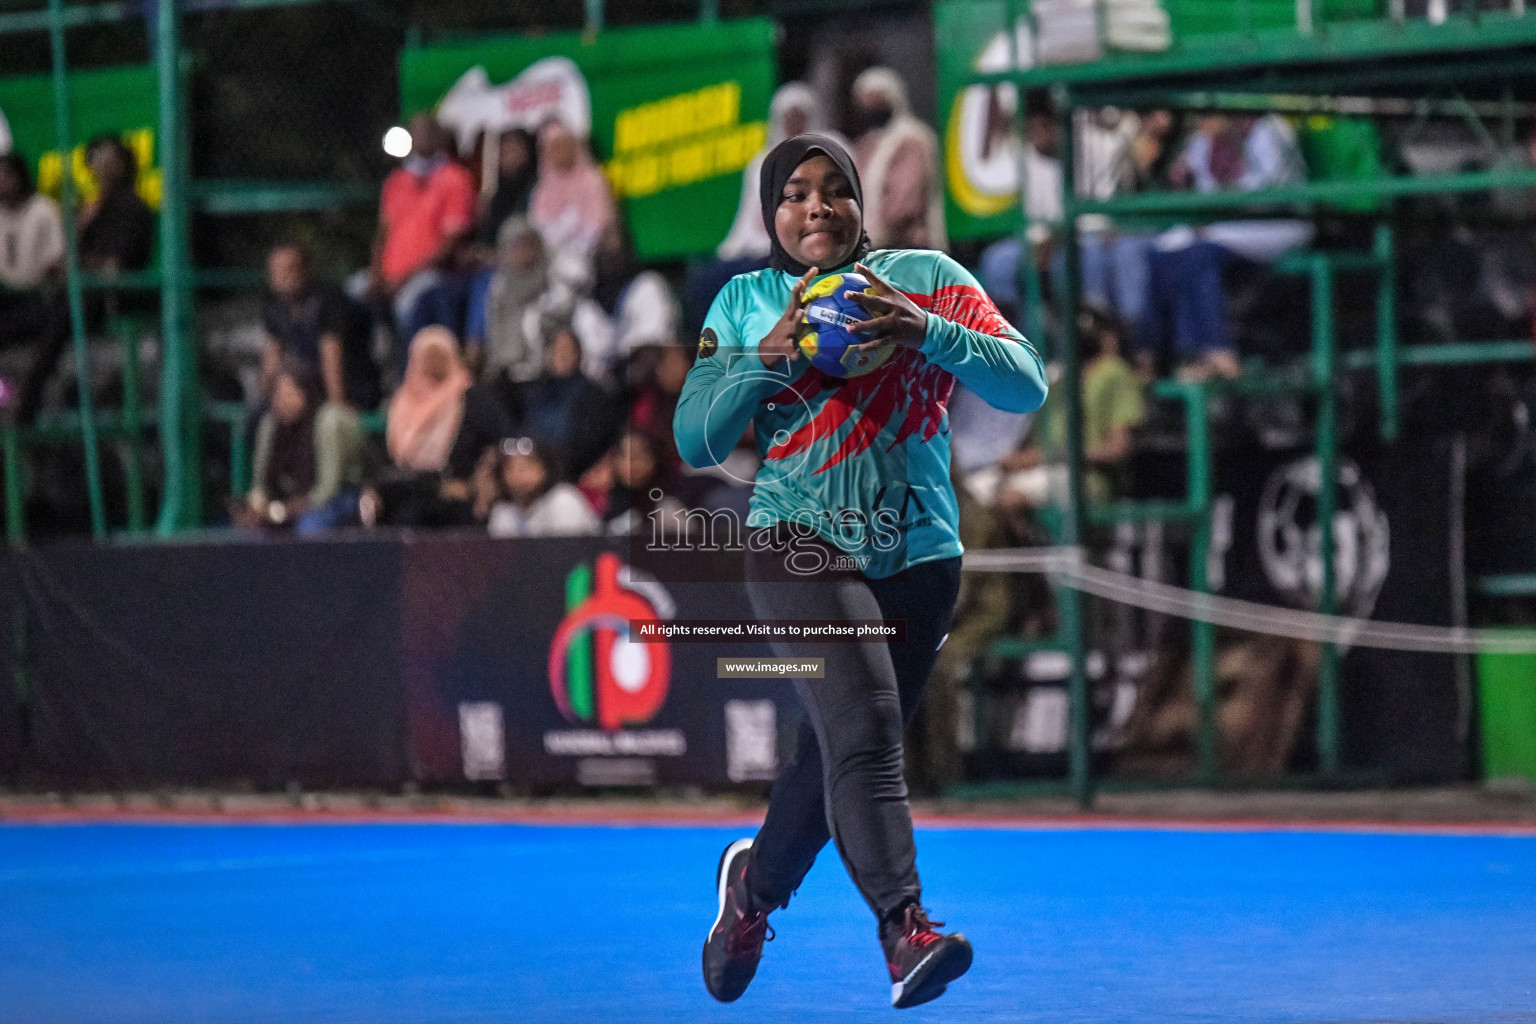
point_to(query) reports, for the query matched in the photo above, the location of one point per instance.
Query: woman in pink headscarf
(571, 206)
(425, 414)
(439, 427)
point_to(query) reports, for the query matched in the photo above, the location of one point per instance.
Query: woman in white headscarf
(898, 159)
(795, 110)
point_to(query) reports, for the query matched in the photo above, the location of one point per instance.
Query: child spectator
(117, 229)
(533, 500)
(426, 209)
(439, 426)
(310, 462)
(516, 172)
(32, 309)
(571, 205)
(318, 325)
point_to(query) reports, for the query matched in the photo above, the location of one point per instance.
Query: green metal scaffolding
(1479, 58)
(181, 413)
(1390, 56)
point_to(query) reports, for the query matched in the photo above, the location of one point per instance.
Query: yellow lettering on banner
(645, 176)
(623, 131)
(681, 140)
(689, 164)
(140, 142)
(677, 117)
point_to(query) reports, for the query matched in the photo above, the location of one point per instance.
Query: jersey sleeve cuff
(934, 340)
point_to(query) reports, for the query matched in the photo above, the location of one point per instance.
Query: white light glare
(397, 142)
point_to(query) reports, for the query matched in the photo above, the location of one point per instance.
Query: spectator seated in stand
(503, 341)
(1112, 405)
(516, 174)
(898, 160)
(657, 373)
(1118, 152)
(1186, 309)
(572, 205)
(564, 411)
(647, 315)
(530, 498)
(634, 492)
(439, 426)
(794, 110)
(311, 460)
(116, 228)
(321, 327)
(33, 311)
(426, 209)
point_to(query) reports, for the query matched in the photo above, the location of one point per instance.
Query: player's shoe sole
(722, 877)
(726, 973)
(949, 958)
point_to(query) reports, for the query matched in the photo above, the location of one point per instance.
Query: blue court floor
(505, 923)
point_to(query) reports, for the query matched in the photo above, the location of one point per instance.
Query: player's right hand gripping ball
(823, 335)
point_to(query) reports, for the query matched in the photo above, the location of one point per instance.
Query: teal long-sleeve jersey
(864, 461)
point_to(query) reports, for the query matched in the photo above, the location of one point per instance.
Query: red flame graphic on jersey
(907, 385)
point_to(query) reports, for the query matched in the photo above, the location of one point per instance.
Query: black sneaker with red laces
(735, 943)
(922, 961)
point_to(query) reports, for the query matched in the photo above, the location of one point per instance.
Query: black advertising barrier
(195, 663)
(11, 728)
(376, 661)
(515, 668)
(443, 657)
(1403, 713)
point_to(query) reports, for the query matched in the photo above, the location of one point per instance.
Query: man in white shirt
(32, 311)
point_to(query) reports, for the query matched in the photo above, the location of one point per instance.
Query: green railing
(1309, 57)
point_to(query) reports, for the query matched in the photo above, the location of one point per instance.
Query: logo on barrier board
(596, 674)
(1290, 537)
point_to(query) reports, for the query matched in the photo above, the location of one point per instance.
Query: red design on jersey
(877, 396)
(869, 402)
(968, 307)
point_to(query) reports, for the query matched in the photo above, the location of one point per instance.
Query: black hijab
(778, 166)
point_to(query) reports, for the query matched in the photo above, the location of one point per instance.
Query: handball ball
(823, 336)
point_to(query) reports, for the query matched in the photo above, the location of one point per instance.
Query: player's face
(818, 220)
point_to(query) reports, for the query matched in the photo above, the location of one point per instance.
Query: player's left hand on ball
(894, 319)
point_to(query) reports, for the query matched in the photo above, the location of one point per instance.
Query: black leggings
(845, 781)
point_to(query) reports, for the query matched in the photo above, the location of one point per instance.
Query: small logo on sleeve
(709, 342)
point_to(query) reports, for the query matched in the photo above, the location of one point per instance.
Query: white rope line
(1068, 566)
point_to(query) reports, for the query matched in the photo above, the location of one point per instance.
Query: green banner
(120, 101)
(981, 191)
(675, 112)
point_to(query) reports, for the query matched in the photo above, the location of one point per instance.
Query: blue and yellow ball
(823, 336)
